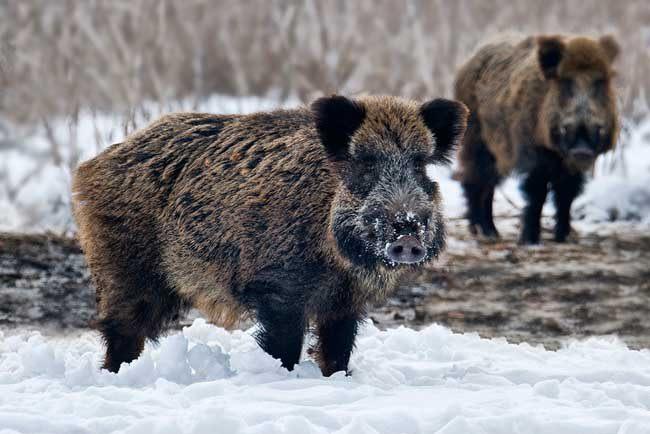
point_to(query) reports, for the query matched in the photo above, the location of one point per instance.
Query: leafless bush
(59, 56)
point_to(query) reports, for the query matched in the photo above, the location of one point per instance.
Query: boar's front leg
(282, 322)
(336, 337)
(535, 189)
(566, 188)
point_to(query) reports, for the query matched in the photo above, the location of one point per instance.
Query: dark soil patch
(599, 285)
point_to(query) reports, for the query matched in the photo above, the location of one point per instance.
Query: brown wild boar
(292, 217)
(543, 107)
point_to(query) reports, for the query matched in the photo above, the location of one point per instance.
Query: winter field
(494, 338)
(404, 380)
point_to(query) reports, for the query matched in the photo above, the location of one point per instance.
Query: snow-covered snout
(400, 219)
(389, 214)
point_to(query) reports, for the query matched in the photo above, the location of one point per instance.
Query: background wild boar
(544, 107)
(289, 216)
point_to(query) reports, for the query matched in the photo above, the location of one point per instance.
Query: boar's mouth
(582, 157)
(579, 148)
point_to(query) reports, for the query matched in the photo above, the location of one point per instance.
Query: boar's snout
(407, 249)
(582, 155)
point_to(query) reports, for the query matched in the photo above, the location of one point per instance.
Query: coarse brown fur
(254, 215)
(533, 102)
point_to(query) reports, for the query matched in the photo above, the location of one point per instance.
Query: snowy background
(78, 76)
(36, 194)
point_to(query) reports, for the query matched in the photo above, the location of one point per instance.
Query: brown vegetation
(59, 56)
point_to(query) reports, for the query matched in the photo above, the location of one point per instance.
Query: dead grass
(59, 56)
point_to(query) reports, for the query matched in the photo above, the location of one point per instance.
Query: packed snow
(206, 380)
(35, 190)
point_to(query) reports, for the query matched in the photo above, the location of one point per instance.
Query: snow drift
(205, 380)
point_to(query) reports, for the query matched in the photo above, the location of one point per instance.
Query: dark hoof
(491, 235)
(527, 241)
(571, 238)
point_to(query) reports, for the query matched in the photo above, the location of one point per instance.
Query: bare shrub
(60, 56)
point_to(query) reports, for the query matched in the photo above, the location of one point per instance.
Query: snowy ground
(207, 380)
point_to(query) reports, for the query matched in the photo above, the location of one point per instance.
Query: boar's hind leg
(282, 322)
(535, 189)
(335, 342)
(134, 301)
(472, 194)
(565, 189)
(140, 308)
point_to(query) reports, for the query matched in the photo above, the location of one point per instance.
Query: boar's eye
(363, 174)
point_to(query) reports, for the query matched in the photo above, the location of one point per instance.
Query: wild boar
(543, 107)
(291, 217)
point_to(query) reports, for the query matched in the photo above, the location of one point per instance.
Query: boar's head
(387, 212)
(578, 117)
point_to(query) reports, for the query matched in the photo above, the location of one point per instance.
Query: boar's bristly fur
(544, 107)
(292, 217)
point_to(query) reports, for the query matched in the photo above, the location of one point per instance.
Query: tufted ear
(337, 118)
(610, 47)
(550, 50)
(447, 121)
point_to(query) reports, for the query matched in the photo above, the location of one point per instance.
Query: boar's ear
(337, 118)
(447, 120)
(610, 47)
(550, 50)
